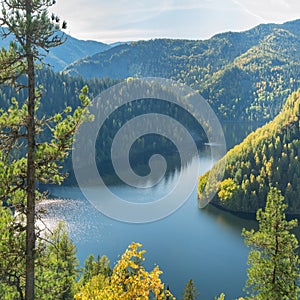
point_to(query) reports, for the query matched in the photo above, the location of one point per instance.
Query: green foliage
(93, 268)
(58, 268)
(12, 248)
(35, 33)
(25, 157)
(48, 154)
(58, 275)
(259, 163)
(55, 261)
(273, 259)
(190, 291)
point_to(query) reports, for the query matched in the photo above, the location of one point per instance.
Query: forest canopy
(268, 157)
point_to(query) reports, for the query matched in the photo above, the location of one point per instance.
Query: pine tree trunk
(30, 209)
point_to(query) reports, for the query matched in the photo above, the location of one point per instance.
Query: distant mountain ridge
(244, 75)
(73, 49)
(233, 45)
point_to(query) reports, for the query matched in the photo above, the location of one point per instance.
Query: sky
(129, 20)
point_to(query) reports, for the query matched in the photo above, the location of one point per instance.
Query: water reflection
(235, 132)
(229, 221)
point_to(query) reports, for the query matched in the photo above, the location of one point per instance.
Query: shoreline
(251, 215)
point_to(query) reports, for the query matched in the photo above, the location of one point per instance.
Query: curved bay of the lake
(202, 244)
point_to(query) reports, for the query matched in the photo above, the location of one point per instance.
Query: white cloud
(272, 10)
(86, 17)
(116, 20)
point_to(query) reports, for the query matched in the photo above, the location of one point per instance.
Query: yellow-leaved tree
(129, 280)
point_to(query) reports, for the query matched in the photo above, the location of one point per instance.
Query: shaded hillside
(267, 157)
(60, 91)
(72, 50)
(245, 75)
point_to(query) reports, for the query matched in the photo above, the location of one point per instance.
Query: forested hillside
(268, 157)
(245, 76)
(60, 91)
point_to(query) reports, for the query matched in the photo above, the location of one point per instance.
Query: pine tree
(190, 292)
(274, 264)
(93, 268)
(34, 33)
(58, 267)
(12, 263)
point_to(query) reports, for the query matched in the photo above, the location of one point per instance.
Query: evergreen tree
(34, 33)
(274, 264)
(190, 292)
(12, 263)
(93, 268)
(58, 267)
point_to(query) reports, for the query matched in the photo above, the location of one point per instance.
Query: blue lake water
(203, 244)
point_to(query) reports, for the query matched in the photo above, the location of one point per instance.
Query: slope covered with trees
(245, 75)
(60, 91)
(268, 157)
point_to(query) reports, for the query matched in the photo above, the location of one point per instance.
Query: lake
(202, 244)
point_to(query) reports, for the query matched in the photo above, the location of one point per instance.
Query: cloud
(86, 18)
(271, 10)
(110, 14)
(117, 20)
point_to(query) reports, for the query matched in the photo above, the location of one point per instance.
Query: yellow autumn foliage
(129, 280)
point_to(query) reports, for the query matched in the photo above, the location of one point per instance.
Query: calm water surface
(205, 245)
